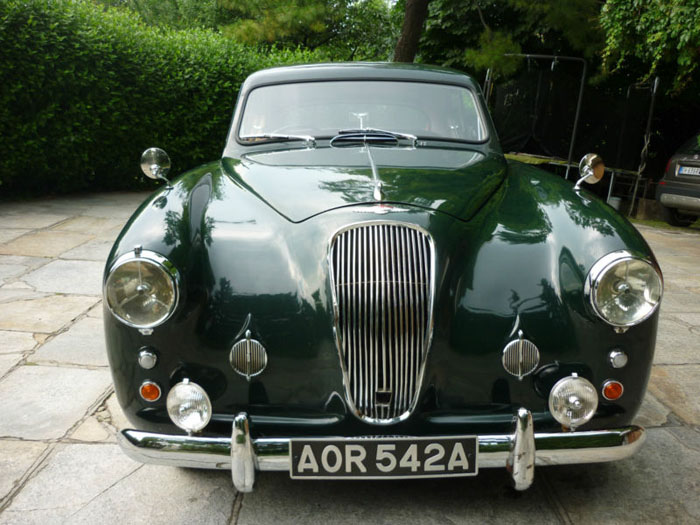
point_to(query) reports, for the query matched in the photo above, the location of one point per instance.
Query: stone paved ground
(59, 462)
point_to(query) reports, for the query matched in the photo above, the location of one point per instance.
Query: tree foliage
(342, 29)
(475, 35)
(652, 37)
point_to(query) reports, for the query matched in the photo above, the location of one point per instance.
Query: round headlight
(189, 406)
(573, 401)
(141, 290)
(624, 289)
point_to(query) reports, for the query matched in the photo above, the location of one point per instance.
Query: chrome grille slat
(382, 280)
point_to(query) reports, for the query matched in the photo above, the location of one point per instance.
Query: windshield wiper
(310, 141)
(365, 135)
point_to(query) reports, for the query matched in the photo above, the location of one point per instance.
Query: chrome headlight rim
(151, 257)
(600, 268)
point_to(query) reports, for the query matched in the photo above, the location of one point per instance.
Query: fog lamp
(573, 401)
(189, 406)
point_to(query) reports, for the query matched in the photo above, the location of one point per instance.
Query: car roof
(357, 71)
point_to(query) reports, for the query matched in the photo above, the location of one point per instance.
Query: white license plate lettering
(435, 453)
(354, 457)
(385, 451)
(383, 457)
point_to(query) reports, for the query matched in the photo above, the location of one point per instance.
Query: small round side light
(147, 359)
(617, 359)
(612, 390)
(149, 391)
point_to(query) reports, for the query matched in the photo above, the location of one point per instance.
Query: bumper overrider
(518, 452)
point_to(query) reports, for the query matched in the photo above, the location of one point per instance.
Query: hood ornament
(378, 191)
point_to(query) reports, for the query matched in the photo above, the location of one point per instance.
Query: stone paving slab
(44, 243)
(116, 490)
(652, 413)
(487, 498)
(658, 485)
(11, 292)
(678, 303)
(93, 431)
(97, 250)
(44, 402)
(677, 387)
(82, 344)
(79, 277)
(7, 271)
(16, 457)
(7, 361)
(13, 342)
(30, 221)
(87, 224)
(7, 234)
(47, 314)
(676, 343)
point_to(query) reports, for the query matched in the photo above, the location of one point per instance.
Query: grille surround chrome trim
(428, 325)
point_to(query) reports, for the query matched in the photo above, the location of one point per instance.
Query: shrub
(85, 90)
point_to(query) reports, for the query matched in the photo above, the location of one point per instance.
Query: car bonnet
(300, 183)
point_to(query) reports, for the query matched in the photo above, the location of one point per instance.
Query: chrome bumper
(518, 452)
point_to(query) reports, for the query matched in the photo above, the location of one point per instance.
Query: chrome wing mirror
(591, 168)
(155, 164)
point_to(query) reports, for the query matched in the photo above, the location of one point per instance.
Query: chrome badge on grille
(382, 277)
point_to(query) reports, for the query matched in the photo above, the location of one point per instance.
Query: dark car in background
(679, 189)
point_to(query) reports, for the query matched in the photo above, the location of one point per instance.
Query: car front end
(374, 307)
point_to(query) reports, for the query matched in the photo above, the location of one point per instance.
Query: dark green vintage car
(364, 287)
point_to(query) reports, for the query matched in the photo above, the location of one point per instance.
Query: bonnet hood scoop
(301, 183)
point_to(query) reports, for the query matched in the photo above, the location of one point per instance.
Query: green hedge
(85, 90)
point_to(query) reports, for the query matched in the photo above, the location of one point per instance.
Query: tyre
(676, 218)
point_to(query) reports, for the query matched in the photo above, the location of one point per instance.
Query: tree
(344, 29)
(652, 37)
(475, 35)
(407, 46)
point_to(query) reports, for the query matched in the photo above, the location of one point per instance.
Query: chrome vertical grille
(382, 281)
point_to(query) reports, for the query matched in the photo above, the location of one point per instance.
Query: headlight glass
(189, 406)
(141, 291)
(625, 290)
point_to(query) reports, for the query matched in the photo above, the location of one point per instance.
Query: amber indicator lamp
(150, 391)
(612, 390)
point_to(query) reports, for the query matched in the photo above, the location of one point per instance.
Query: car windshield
(322, 109)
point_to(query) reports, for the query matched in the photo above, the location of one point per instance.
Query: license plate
(385, 458)
(687, 170)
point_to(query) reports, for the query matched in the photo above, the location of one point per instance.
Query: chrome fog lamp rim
(599, 270)
(172, 404)
(139, 255)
